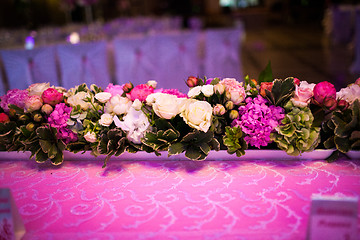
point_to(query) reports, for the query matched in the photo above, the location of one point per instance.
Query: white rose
(197, 114)
(164, 105)
(118, 105)
(103, 97)
(137, 104)
(152, 83)
(207, 90)
(106, 119)
(135, 124)
(350, 93)
(78, 99)
(37, 88)
(193, 92)
(90, 137)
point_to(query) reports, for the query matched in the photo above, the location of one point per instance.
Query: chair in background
(134, 59)
(178, 58)
(83, 63)
(222, 53)
(355, 66)
(25, 67)
(3, 89)
(342, 23)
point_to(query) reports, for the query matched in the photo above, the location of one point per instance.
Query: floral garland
(216, 114)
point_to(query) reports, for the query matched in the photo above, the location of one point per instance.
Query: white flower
(207, 90)
(103, 97)
(106, 120)
(135, 124)
(90, 137)
(350, 93)
(38, 88)
(193, 92)
(78, 99)
(303, 94)
(152, 83)
(137, 104)
(118, 105)
(164, 105)
(197, 114)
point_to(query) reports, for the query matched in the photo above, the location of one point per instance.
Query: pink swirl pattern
(167, 199)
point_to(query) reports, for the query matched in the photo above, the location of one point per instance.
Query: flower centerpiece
(216, 114)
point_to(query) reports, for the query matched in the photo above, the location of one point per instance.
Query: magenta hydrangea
(58, 119)
(257, 120)
(16, 97)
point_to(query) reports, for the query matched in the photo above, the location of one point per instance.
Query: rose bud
(265, 85)
(296, 81)
(342, 104)
(12, 112)
(47, 109)
(23, 118)
(4, 118)
(330, 103)
(229, 105)
(357, 81)
(152, 83)
(192, 81)
(38, 118)
(219, 88)
(219, 110)
(30, 127)
(324, 90)
(234, 114)
(254, 82)
(128, 87)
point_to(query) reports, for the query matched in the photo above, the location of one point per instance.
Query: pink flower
(192, 81)
(323, 91)
(33, 103)
(265, 86)
(357, 81)
(15, 97)
(52, 96)
(173, 92)
(303, 94)
(140, 92)
(4, 118)
(114, 89)
(234, 90)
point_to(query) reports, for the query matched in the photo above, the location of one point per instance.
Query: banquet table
(136, 197)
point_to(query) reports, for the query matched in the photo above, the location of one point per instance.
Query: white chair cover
(135, 60)
(25, 67)
(178, 58)
(84, 63)
(355, 66)
(222, 53)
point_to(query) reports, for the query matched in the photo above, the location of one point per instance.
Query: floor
(298, 50)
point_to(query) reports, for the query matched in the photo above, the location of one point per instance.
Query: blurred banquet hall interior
(311, 40)
(70, 42)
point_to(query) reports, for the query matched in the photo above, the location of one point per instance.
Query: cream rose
(118, 105)
(38, 88)
(164, 105)
(193, 92)
(103, 97)
(106, 120)
(197, 114)
(90, 137)
(303, 94)
(78, 99)
(350, 93)
(207, 90)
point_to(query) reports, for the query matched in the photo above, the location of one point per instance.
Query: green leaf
(266, 75)
(58, 159)
(45, 145)
(176, 148)
(193, 154)
(342, 144)
(205, 148)
(41, 157)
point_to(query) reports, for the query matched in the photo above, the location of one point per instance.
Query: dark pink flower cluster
(141, 92)
(257, 120)
(58, 119)
(16, 97)
(173, 92)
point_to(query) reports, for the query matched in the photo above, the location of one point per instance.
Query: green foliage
(342, 130)
(196, 145)
(296, 134)
(266, 75)
(234, 141)
(281, 91)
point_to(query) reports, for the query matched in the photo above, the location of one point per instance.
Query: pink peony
(4, 118)
(114, 89)
(140, 92)
(324, 91)
(52, 96)
(33, 103)
(173, 92)
(357, 81)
